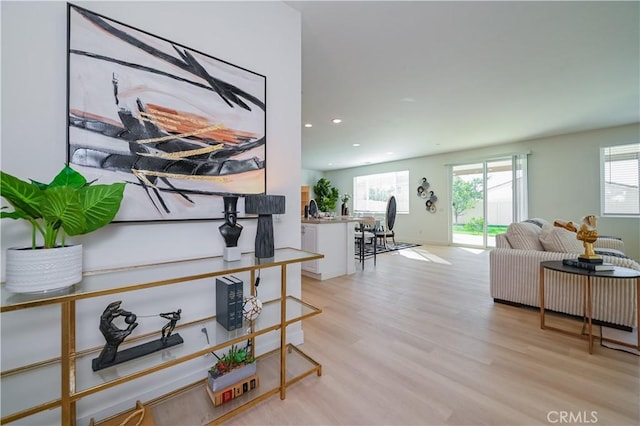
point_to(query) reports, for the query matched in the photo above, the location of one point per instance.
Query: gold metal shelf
(73, 373)
(298, 366)
(120, 280)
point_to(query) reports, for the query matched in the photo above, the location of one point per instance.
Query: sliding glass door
(499, 199)
(486, 197)
(467, 204)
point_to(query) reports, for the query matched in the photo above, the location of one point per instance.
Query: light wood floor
(418, 340)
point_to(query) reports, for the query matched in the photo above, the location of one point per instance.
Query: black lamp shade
(264, 204)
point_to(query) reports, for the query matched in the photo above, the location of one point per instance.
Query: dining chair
(390, 220)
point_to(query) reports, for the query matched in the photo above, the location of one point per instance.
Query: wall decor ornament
(422, 188)
(429, 196)
(184, 128)
(431, 202)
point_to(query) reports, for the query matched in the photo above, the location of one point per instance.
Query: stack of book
(229, 300)
(596, 267)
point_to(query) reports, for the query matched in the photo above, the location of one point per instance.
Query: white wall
(310, 178)
(564, 175)
(264, 37)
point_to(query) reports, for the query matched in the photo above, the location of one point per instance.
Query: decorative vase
(231, 230)
(40, 270)
(232, 377)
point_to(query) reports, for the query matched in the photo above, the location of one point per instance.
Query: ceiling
(419, 78)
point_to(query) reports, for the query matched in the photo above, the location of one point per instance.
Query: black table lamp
(264, 206)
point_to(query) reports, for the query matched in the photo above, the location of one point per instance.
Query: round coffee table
(617, 273)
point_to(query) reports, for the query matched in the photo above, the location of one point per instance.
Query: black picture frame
(181, 127)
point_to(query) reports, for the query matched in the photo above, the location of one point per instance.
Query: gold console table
(279, 368)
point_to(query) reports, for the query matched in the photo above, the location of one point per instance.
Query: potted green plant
(326, 195)
(68, 205)
(234, 366)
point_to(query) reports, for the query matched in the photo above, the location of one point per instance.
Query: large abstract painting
(181, 127)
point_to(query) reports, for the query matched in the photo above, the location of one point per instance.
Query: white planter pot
(30, 271)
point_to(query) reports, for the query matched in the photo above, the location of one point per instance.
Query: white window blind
(620, 180)
(371, 192)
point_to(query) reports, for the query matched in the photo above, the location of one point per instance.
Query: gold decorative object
(588, 234)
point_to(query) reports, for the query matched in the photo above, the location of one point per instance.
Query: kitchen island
(333, 237)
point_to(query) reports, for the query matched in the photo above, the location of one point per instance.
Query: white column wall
(264, 37)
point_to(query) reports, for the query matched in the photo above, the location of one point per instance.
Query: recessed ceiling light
(308, 125)
(356, 144)
(389, 153)
(330, 164)
(336, 121)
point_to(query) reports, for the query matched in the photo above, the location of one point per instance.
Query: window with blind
(620, 180)
(371, 192)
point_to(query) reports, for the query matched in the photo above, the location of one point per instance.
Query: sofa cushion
(560, 240)
(524, 236)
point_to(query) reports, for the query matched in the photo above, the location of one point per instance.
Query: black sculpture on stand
(230, 229)
(112, 334)
(173, 318)
(264, 206)
(115, 336)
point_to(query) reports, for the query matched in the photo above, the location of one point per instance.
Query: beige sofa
(515, 273)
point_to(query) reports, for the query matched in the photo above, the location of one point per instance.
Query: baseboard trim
(594, 322)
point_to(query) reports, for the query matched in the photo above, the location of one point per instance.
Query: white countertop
(336, 219)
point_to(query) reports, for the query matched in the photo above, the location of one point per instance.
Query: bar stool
(363, 235)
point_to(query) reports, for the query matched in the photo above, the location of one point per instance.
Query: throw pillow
(611, 252)
(560, 240)
(524, 236)
(537, 221)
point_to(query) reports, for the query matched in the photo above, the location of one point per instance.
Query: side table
(587, 305)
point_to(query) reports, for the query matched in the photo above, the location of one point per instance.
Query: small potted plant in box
(237, 364)
(69, 205)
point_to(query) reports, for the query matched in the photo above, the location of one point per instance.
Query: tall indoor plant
(68, 205)
(326, 195)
